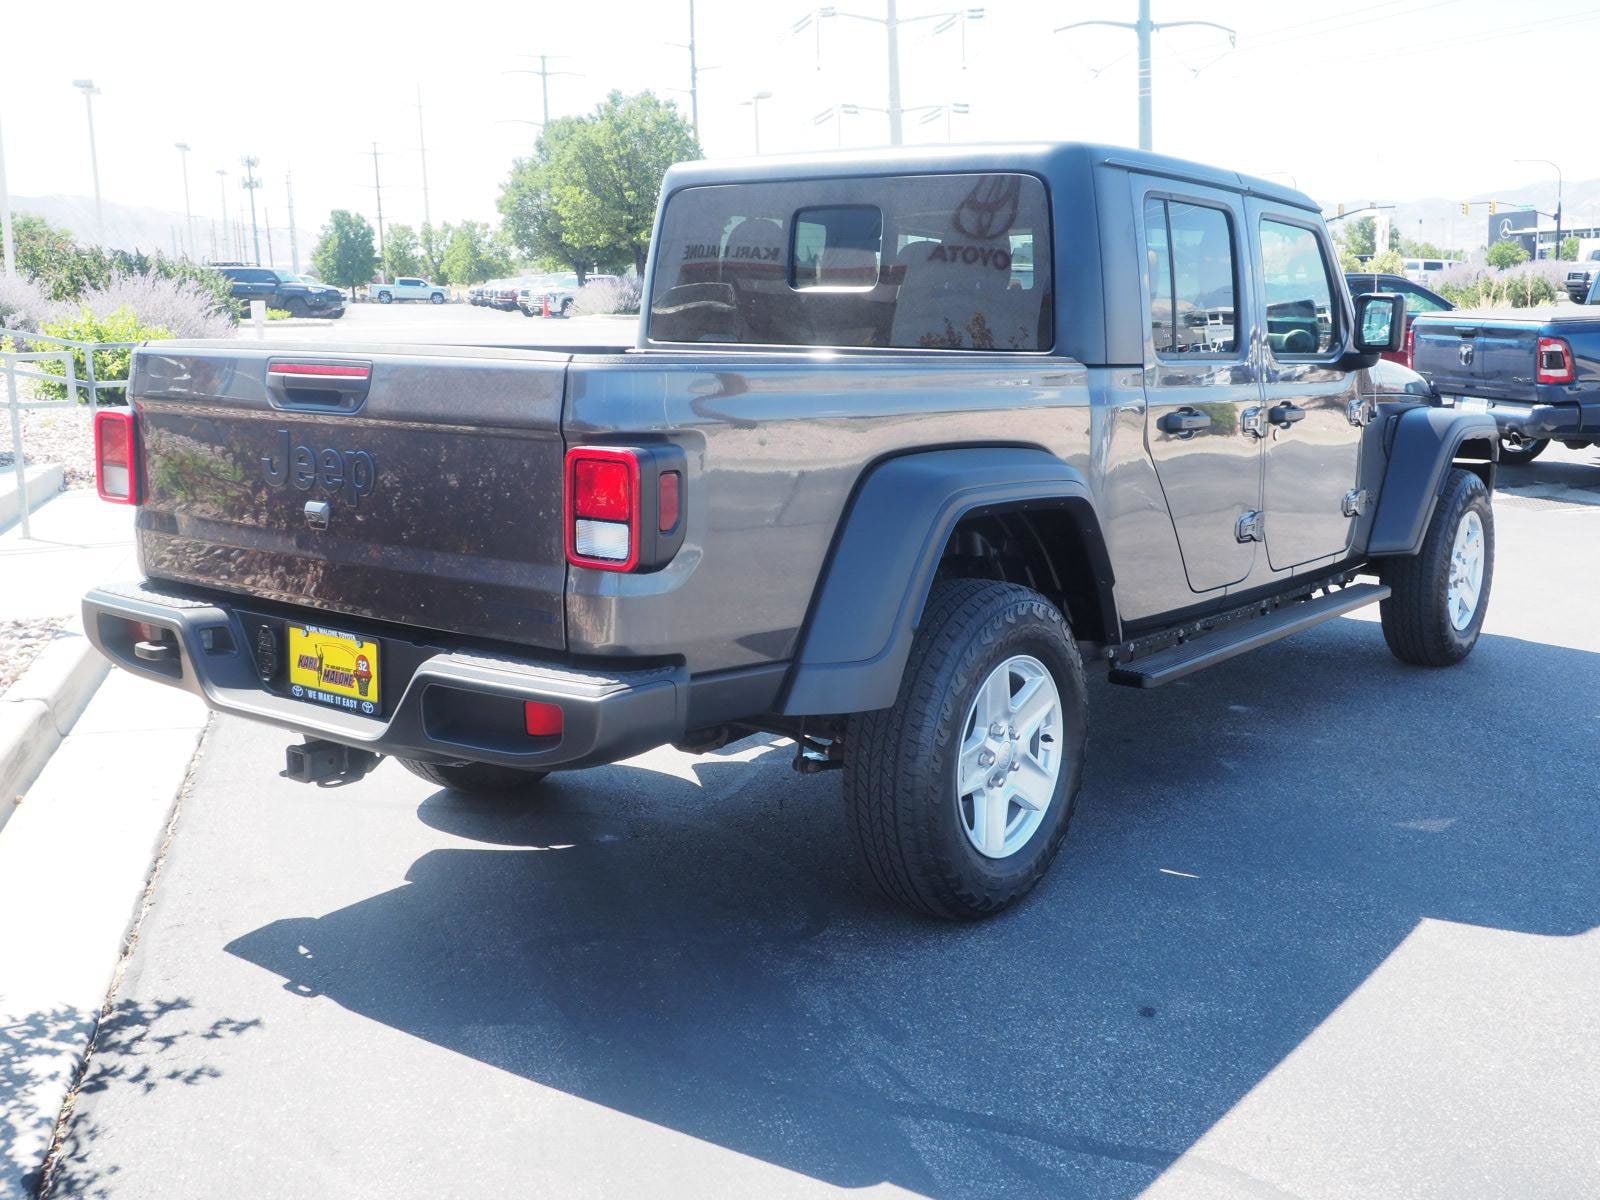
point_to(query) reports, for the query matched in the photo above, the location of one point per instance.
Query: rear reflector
(116, 456)
(542, 720)
(1555, 361)
(667, 502)
(320, 370)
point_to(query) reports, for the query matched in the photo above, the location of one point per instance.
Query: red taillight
(1555, 361)
(602, 508)
(116, 456)
(1408, 355)
(542, 720)
(667, 502)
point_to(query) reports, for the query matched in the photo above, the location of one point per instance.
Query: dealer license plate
(327, 666)
(1472, 404)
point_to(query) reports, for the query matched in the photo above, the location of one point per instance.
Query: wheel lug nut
(997, 730)
(986, 759)
(1013, 734)
(996, 781)
(1016, 766)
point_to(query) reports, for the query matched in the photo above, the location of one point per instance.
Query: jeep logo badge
(353, 473)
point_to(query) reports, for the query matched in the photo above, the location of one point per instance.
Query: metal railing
(18, 365)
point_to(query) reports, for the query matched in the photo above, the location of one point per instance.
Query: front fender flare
(865, 612)
(1425, 443)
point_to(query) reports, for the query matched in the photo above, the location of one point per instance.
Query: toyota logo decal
(990, 208)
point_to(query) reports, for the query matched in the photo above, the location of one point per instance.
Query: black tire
(385, 298)
(1416, 617)
(477, 778)
(296, 307)
(899, 778)
(1522, 455)
(566, 308)
(436, 298)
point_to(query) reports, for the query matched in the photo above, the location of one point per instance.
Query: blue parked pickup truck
(1535, 371)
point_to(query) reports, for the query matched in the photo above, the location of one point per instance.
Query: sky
(1366, 101)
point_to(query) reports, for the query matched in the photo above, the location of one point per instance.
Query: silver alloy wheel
(1010, 757)
(1466, 570)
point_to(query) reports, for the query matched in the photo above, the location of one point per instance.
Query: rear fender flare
(864, 614)
(1425, 444)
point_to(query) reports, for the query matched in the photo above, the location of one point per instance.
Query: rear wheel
(385, 298)
(479, 778)
(960, 794)
(1521, 455)
(436, 298)
(1438, 596)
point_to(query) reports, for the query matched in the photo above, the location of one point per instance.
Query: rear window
(940, 262)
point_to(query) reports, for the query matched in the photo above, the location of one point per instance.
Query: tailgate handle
(318, 385)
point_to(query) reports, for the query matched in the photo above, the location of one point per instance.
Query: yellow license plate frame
(334, 668)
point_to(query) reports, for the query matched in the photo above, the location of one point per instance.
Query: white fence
(17, 365)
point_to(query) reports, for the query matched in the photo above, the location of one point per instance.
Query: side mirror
(1380, 323)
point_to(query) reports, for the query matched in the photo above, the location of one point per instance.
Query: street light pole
(250, 183)
(87, 87)
(1144, 28)
(8, 250)
(694, 85)
(222, 194)
(1557, 255)
(188, 209)
(755, 112)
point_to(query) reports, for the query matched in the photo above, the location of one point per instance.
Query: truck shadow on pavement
(1249, 848)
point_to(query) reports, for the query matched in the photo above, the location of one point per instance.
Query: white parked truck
(409, 288)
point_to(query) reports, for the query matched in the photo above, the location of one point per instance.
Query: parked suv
(408, 288)
(296, 294)
(858, 482)
(558, 294)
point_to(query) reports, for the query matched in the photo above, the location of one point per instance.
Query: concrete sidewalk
(73, 864)
(78, 541)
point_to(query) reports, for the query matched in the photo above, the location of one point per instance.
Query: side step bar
(1210, 649)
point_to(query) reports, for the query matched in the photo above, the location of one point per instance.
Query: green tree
(1362, 237)
(605, 172)
(345, 256)
(532, 220)
(475, 253)
(402, 253)
(432, 243)
(1347, 257)
(1569, 249)
(1387, 263)
(1507, 254)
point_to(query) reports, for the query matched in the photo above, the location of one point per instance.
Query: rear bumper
(1531, 422)
(457, 705)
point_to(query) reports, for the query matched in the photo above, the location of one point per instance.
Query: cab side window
(1191, 263)
(1300, 311)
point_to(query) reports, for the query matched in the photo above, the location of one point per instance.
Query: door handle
(1183, 420)
(1286, 414)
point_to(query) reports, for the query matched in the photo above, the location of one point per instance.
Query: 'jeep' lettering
(348, 472)
(989, 256)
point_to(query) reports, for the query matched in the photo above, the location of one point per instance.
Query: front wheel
(960, 794)
(476, 778)
(1439, 595)
(296, 307)
(566, 308)
(436, 298)
(1523, 454)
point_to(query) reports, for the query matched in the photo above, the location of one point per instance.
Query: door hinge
(1355, 501)
(1253, 421)
(1361, 410)
(1252, 526)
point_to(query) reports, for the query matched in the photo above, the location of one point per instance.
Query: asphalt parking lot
(1325, 926)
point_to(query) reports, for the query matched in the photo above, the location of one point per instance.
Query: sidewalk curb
(44, 481)
(39, 709)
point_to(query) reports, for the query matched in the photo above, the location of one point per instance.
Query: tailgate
(1445, 352)
(1464, 356)
(417, 486)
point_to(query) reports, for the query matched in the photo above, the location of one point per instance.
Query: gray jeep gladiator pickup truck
(907, 439)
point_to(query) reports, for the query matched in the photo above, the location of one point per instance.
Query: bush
(1568, 251)
(184, 307)
(122, 325)
(1526, 287)
(605, 297)
(1507, 254)
(23, 304)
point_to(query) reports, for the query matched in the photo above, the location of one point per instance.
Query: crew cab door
(1312, 412)
(1200, 374)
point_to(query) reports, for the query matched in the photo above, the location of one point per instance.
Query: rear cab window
(938, 262)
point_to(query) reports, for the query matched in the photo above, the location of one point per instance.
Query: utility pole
(755, 112)
(377, 185)
(266, 219)
(694, 85)
(892, 28)
(222, 189)
(8, 250)
(1557, 170)
(422, 149)
(87, 87)
(188, 210)
(294, 242)
(1144, 28)
(250, 183)
(544, 72)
